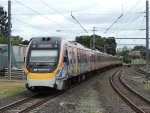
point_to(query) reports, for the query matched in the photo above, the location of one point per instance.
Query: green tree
(125, 53)
(142, 51)
(110, 45)
(84, 40)
(101, 43)
(3, 22)
(16, 40)
(3, 40)
(3, 26)
(25, 42)
(139, 48)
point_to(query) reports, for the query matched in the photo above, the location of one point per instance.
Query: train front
(42, 62)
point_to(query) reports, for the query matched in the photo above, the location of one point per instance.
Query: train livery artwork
(53, 62)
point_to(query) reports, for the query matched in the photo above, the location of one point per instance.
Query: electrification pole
(147, 37)
(94, 37)
(90, 43)
(9, 39)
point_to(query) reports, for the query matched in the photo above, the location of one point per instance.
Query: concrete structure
(18, 54)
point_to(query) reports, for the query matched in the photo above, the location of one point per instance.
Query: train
(54, 63)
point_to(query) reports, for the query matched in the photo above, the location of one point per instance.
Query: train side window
(66, 56)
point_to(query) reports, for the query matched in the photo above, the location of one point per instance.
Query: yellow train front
(44, 62)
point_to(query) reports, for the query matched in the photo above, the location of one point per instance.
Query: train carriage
(52, 61)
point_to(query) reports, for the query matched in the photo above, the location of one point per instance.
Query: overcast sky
(32, 18)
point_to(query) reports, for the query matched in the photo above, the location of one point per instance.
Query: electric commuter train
(53, 62)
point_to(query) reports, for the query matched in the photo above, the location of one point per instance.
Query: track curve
(136, 101)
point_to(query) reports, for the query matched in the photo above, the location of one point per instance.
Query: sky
(31, 18)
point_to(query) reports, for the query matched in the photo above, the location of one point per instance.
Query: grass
(8, 87)
(89, 103)
(142, 83)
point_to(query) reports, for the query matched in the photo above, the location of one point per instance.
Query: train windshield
(44, 56)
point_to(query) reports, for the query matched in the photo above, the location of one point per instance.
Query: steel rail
(139, 70)
(132, 90)
(16, 103)
(27, 100)
(40, 103)
(127, 100)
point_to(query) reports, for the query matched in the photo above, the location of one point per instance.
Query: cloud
(56, 15)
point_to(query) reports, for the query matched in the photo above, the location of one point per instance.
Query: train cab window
(44, 56)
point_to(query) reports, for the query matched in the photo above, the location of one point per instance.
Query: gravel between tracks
(136, 81)
(92, 96)
(14, 98)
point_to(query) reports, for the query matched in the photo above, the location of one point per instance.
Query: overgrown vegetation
(8, 88)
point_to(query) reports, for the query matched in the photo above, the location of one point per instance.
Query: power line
(124, 38)
(132, 8)
(113, 23)
(78, 23)
(130, 44)
(128, 14)
(33, 26)
(42, 15)
(38, 13)
(84, 14)
(141, 27)
(130, 22)
(56, 10)
(87, 14)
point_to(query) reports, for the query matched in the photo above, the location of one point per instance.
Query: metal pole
(90, 43)
(9, 39)
(147, 36)
(93, 37)
(104, 46)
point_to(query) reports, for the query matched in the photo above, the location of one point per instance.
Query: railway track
(32, 103)
(27, 104)
(136, 101)
(137, 68)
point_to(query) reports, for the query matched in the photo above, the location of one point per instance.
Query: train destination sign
(45, 45)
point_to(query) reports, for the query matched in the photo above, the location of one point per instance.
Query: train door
(74, 60)
(78, 61)
(66, 61)
(70, 66)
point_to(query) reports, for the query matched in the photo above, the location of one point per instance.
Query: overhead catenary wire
(43, 16)
(79, 23)
(132, 9)
(134, 6)
(56, 10)
(114, 22)
(118, 30)
(141, 26)
(35, 27)
(97, 14)
(38, 13)
(84, 14)
(137, 17)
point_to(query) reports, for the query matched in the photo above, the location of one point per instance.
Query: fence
(15, 73)
(3, 62)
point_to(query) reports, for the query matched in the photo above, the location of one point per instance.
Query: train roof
(71, 43)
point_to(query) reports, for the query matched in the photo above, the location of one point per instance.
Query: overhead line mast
(147, 38)
(9, 40)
